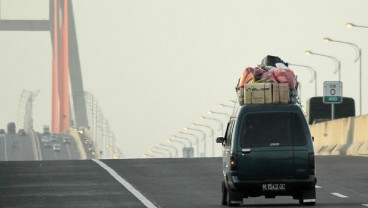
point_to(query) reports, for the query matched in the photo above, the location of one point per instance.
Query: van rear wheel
(308, 197)
(234, 199)
(224, 193)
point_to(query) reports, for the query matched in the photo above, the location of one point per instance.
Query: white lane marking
(366, 205)
(339, 195)
(318, 187)
(126, 184)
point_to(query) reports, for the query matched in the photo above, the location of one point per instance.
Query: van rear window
(271, 129)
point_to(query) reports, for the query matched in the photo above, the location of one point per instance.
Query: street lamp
(160, 153)
(350, 25)
(213, 136)
(314, 75)
(224, 105)
(185, 138)
(338, 63)
(204, 138)
(164, 149)
(215, 112)
(197, 139)
(217, 120)
(170, 146)
(180, 142)
(148, 155)
(172, 140)
(358, 57)
(232, 105)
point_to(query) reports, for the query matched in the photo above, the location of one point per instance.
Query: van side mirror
(313, 138)
(220, 140)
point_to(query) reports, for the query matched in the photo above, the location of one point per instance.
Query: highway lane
(342, 182)
(68, 151)
(15, 148)
(70, 183)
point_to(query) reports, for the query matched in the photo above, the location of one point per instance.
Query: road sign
(332, 92)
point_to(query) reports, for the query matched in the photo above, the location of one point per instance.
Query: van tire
(308, 194)
(224, 193)
(234, 199)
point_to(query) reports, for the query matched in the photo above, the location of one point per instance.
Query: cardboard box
(280, 93)
(284, 91)
(258, 93)
(275, 93)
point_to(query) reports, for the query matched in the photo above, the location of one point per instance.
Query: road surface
(342, 182)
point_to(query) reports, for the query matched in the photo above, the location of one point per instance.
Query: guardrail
(346, 136)
(87, 133)
(78, 142)
(35, 144)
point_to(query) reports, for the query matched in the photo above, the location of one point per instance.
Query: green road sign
(332, 99)
(332, 92)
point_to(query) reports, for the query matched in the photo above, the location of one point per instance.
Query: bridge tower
(68, 70)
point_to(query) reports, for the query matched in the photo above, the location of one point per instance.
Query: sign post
(332, 94)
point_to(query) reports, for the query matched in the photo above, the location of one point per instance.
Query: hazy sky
(157, 66)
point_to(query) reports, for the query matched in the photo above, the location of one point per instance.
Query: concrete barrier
(36, 148)
(78, 142)
(346, 136)
(360, 135)
(87, 133)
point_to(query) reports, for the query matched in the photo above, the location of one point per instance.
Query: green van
(268, 151)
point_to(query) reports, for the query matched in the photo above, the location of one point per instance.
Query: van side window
(227, 130)
(230, 133)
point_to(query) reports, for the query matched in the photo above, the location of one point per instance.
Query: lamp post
(185, 138)
(213, 136)
(148, 155)
(197, 139)
(164, 149)
(217, 120)
(175, 141)
(216, 112)
(350, 25)
(358, 57)
(226, 106)
(160, 153)
(170, 146)
(204, 138)
(338, 63)
(172, 140)
(314, 75)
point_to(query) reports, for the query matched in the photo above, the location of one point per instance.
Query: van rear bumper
(257, 187)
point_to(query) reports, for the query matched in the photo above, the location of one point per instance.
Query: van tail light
(233, 163)
(311, 162)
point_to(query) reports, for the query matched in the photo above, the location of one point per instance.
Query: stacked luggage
(273, 82)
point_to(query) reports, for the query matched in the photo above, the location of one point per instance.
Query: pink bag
(250, 75)
(269, 77)
(285, 76)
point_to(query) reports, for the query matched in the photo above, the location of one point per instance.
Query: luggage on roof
(272, 82)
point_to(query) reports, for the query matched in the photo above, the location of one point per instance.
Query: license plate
(273, 187)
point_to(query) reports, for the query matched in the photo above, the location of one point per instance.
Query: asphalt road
(15, 148)
(342, 182)
(68, 151)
